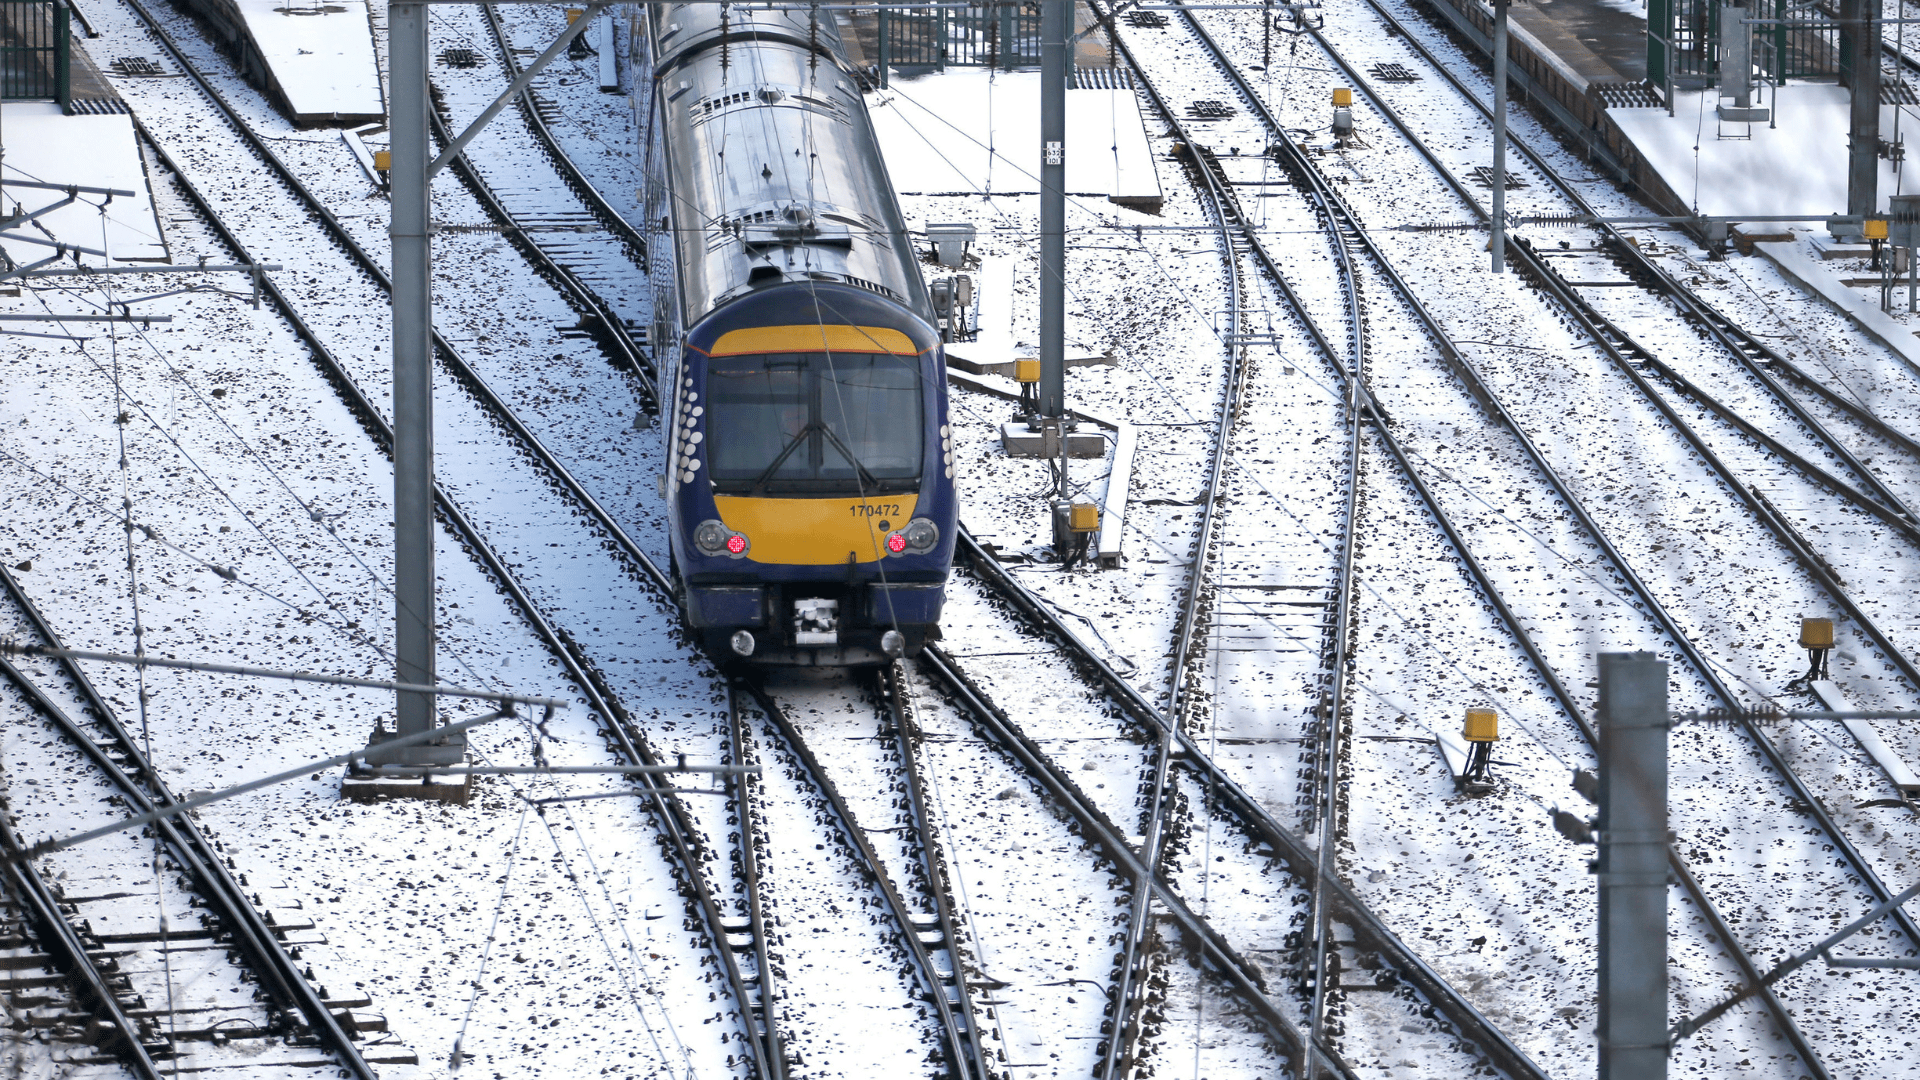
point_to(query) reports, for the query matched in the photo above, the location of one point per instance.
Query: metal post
(1633, 867)
(1860, 69)
(884, 58)
(1009, 20)
(1659, 34)
(62, 57)
(1056, 26)
(1500, 135)
(413, 531)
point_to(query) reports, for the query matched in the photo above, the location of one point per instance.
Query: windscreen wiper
(865, 476)
(760, 482)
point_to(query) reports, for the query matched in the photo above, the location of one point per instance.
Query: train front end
(813, 479)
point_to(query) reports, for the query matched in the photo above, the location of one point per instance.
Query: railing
(1684, 39)
(1004, 34)
(35, 61)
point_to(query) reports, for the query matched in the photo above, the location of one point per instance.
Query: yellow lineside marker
(1816, 633)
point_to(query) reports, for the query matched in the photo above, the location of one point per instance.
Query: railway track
(134, 1013)
(677, 828)
(91, 1023)
(1633, 360)
(1305, 166)
(901, 866)
(555, 216)
(744, 943)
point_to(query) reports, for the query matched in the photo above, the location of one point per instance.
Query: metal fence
(981, 35)
(34, 51)
(1805, 45)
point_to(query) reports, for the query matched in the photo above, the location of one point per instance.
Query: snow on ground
(42, 146)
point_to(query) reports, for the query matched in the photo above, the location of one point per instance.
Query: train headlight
(920, 536)
(710, 537)
(896, 543)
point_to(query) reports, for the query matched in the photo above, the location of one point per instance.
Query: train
(809, 458)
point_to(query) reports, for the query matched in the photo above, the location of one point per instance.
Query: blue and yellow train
(810, 461)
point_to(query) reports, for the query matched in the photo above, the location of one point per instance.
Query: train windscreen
(814, 423)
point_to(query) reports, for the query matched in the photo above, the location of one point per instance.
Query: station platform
(973, 131)
(1584, 62)
(1795, 164)
(1602, 40)
(317, 60)
(976, 129)
(88, 149)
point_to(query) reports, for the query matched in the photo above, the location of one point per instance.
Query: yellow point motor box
(1026, 371)
(1483, 725)
(382, 160)
(1874, 228)
(1084, 518)
(1343, 98)
(1816, 633)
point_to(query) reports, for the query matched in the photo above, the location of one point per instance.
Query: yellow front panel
(813, 338)
(815, 532)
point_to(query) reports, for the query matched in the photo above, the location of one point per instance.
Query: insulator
(1556, 219)
(813, 37)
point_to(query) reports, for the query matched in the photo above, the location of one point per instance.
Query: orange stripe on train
(813, 338)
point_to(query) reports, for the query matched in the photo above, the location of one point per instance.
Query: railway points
(1186, 806)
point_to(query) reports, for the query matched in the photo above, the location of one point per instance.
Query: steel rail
(1758, 355)
(1563, 293)
(961, 1048)
(1305, 166)
(1627, 355)
(62, 942)
(569, 172)
(1128, 1001)
(770, 1056)
(939, 888)
(1761, 510)
(1725, 330)
(622, 349)
(1877, 500)
(1241, 974)
(367, 264)
(680, 834)
(1281, 843)
(279, 974)
(1252, 814)
(1815, 568)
